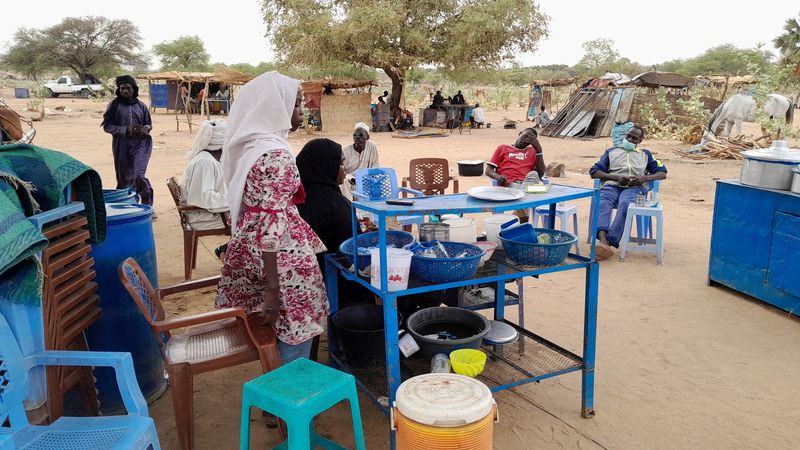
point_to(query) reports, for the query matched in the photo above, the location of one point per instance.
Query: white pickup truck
(65, 85)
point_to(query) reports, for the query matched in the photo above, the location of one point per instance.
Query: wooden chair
(190, 235)
(211, 341)
(430, 175)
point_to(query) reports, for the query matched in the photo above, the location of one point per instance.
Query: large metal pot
(796, 180)
(770, 168)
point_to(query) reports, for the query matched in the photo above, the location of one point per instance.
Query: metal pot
(770, 168)
(796, 180)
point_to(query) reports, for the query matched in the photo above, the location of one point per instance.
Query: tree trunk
(397, 75)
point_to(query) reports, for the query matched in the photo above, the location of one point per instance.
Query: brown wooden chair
(211, 341)
(430, 175)
(190, 236)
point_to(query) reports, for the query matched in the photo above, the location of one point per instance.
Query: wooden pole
(725, 91)
(178, 96)
(188, 115)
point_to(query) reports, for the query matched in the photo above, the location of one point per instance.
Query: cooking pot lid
(444, 399)
(779, 151)
(500, 333)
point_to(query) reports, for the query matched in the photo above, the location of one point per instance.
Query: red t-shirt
(513, 163)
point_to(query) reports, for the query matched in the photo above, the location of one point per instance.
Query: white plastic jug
(492, 224)
(398, 263)
(463, 229)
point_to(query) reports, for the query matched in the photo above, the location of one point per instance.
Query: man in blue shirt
(624, 172)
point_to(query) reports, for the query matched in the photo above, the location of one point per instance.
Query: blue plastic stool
(563, 213)
(644, 243)
(297, 392)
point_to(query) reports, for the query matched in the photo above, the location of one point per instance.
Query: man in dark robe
(128, 120)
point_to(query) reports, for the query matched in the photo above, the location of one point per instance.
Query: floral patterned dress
(270, 222)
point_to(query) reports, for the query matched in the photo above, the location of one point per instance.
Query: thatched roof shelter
(334, 83)
(220, 75)
(557, 82)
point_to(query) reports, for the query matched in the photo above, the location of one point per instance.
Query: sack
(10, 123)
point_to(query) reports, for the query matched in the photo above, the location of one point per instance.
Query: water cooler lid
(444, 399)
(123, 211)
(500, 333)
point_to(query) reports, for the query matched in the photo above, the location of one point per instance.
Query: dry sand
(679, 364)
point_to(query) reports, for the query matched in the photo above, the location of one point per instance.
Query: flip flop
(603, 252)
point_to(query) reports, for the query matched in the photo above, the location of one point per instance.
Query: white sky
(233, 31)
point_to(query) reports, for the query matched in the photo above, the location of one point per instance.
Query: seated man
(202, 184)
(438, 100)
(512, 165)
(523, 162)
(458, 99)
(542, 118)
(478, 117)
(624, 170)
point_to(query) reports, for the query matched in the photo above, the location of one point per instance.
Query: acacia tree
(184, 53)
(77, 43)
(398, 35)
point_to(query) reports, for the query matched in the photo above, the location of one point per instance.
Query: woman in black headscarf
(326, 210)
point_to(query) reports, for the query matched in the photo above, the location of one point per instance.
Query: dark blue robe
(131, 153)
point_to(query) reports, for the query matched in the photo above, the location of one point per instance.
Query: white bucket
(463, 229)
(493, 223)
(398, 262)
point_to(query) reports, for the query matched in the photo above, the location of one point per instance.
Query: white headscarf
(210, 136)
(363, 126)
(259, 121)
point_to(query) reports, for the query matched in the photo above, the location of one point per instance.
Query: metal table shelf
(532, 358)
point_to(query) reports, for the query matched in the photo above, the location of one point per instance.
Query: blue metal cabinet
(755, 243)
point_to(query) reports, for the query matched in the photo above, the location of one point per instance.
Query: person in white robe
(362, 153)
(203, 184)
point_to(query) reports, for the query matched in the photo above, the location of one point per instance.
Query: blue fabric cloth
(291, 352)
(132, 153)
(612, 196)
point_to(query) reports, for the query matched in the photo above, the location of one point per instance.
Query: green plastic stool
(297, 392)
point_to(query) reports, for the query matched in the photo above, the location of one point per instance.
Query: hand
(502, 181)
(635, 181)
(144, 131)
(133, 129)
(622, 181)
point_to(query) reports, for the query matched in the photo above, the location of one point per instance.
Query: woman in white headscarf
(270, 266)
(362, 153)
(202, 183)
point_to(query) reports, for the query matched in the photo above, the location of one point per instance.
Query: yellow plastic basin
(467, 361)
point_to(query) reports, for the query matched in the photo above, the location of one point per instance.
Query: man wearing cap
(362, 153)
(127, 120)
(203, 184)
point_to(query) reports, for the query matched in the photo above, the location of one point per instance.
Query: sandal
(603, 252)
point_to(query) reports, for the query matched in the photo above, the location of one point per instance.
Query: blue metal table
(538, 359)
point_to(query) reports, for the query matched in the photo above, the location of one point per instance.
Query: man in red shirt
(511, 165)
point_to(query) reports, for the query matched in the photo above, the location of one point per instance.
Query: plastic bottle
(440, 363)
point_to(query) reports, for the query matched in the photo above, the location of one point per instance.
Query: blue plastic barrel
(121, 326)
(126, 196)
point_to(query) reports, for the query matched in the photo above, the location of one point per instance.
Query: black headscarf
(318, 163)
(111, 112)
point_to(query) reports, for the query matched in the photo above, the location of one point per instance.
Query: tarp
(663, 79)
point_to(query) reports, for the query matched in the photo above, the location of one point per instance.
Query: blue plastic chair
(134, 431)
(297, 392)
(380, 183)
(644, 227)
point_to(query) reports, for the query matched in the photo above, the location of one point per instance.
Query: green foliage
(185, 53)
(599, 56)
(668, 128)
(773, 79)
(397, 35)
(788, 42)
(721, 60)
(81, 44)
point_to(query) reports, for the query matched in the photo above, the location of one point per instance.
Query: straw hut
(164, 90)
(542, 93)
(335, 105)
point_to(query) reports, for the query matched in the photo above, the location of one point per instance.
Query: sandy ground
(679, 364)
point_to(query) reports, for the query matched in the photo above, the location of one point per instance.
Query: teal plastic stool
(297, 392)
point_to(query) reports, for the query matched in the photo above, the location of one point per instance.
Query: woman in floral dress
(270, 267)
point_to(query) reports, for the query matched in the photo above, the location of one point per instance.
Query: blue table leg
(589, 340)
(392, 351)
(551, 218)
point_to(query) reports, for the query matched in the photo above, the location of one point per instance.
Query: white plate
(495, 193)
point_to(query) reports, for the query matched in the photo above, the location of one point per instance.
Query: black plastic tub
(466, 329)
(470, 168)
(359, 329)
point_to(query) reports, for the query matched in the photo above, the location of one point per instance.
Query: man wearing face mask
(624, 172)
